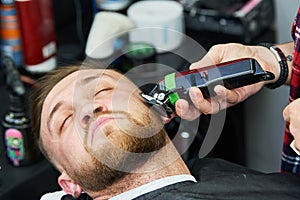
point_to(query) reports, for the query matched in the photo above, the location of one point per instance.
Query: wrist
(283, 65)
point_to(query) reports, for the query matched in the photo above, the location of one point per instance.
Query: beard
(131, 146)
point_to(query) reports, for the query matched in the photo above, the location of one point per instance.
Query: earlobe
(68, 185)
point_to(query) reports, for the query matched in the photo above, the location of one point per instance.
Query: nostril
(97, 110)
(86, 119)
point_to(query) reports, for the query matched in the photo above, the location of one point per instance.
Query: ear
(68, 185)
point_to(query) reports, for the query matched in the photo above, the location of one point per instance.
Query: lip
(99, 123)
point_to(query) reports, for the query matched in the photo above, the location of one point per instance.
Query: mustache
(116, 113)
(96, 115)
(135, 122)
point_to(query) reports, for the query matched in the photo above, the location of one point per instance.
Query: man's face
(96, 128)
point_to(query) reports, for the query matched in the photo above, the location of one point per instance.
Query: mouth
(97, 127)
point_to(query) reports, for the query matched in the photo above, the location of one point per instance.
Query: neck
(165, 163)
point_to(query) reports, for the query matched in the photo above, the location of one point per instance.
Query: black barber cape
(219, 179)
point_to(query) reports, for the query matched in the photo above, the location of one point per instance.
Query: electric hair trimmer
(173, 86)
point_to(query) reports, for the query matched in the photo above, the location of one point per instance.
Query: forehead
(80, 78)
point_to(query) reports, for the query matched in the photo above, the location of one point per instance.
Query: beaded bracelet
(282, 60)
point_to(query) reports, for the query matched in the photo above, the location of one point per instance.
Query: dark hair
(46, 83)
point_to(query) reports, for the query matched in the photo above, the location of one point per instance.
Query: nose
(88, 114)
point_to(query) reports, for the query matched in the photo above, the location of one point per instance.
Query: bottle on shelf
(10, 33)
(38, 35)
(21, 149)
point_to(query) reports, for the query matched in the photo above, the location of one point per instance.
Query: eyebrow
(53, 111)
(88, 79)
(95, 76)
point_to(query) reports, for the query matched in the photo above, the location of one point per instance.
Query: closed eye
(102, 90)
(65, 122)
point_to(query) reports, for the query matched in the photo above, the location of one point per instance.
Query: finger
(215, 106)
(294, 129)
(285, 114)
(185, 110)
(167, 119)
(200, 103)
(231, 96)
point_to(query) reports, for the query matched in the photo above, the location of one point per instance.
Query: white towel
(53, 195)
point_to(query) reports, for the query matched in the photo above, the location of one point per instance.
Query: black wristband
(282, 60)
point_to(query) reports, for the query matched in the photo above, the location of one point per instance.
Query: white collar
(154, 185)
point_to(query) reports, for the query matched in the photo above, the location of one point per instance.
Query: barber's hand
(291, 114)
(226, 98)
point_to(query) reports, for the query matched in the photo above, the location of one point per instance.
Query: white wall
(285, 13)
(264, 122)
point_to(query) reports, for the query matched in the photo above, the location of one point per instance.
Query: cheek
(124, 92)
(135, 105)
(72, 148)
(122, 100)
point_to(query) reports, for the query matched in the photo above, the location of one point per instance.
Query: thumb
(213, 56)
(204, 62)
